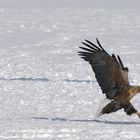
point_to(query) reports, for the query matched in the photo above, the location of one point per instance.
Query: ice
(1, 10)
(46, 90)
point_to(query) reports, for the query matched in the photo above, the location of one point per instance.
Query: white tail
(103, 103)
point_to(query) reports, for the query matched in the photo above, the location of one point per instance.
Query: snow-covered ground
(46, 90)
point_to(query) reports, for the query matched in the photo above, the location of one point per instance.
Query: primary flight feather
(112, 77)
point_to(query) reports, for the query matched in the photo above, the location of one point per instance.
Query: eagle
(112, 77)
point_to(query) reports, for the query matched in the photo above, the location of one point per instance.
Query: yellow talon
(138, 113)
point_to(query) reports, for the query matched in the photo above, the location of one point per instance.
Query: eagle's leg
(111, 107)
(129, 109)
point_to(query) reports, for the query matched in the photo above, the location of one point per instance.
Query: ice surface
(46, 90)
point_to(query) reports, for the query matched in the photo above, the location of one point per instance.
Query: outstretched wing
(108, 70)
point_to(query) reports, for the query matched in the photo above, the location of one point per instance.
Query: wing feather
(107, 69)
(124, 70)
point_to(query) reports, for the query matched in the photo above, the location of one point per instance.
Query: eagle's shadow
(44, 79)
(88, 121)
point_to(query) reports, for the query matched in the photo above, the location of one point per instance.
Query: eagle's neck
(136, 89)
(133, 91)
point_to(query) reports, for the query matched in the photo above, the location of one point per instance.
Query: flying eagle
(112, 77)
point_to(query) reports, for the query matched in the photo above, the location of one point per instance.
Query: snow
(46, 90)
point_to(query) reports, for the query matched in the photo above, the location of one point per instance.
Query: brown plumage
(112, 77)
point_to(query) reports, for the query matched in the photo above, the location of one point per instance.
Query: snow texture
(46, 90)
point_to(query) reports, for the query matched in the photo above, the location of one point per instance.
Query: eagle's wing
(108, 70)
(124, 70)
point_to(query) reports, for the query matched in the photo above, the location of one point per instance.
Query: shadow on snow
(25, 79)
(79, 81)
(45, 80)
(88, 121)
